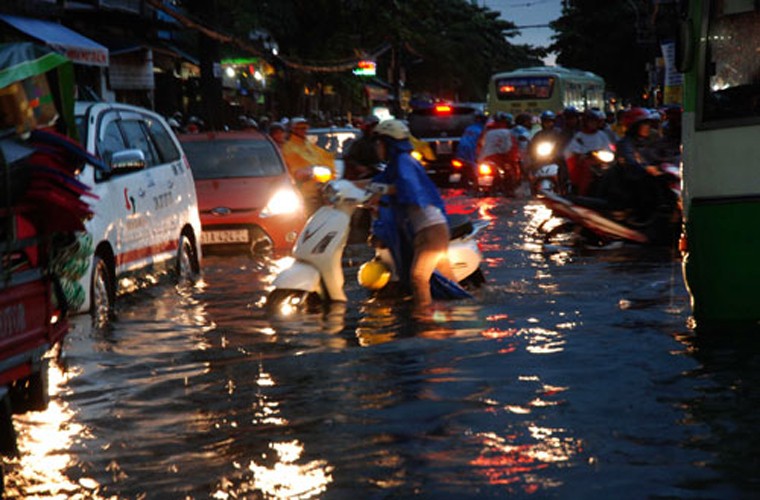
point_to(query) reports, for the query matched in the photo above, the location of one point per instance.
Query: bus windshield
(532, 87)
(732, 88)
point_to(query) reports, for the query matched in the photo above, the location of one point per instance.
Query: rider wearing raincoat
(300, 155)
(412, 218)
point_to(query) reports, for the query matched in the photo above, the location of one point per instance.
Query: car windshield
(232, 158)
(440, 121)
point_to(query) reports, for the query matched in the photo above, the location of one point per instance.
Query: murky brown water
(571, 375)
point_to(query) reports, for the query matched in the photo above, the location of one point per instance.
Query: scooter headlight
(545, 149)
(284, 201)
(604, 155)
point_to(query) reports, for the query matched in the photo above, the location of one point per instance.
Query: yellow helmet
(374, 275)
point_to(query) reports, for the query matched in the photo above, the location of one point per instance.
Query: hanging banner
(673, 79)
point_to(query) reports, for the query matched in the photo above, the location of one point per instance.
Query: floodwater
(572, 374)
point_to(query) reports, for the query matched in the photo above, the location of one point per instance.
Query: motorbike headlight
(321, 174)
(545, 149)
(417, 155)
(604, 155)
(284, 201)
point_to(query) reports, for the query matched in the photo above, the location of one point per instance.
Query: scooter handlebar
(378, 188)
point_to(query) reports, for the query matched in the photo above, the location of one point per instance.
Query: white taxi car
(146, 218)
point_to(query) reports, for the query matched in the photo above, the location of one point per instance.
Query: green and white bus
(719, 47)
(541, 88)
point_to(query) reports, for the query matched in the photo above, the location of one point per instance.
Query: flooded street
(572, 374)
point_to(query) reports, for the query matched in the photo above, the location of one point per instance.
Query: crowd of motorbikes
(576, 186)
(572, 192)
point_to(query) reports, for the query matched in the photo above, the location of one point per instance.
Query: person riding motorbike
(415, 209)
(668, 146)
(634, 183)
(568, 124)
(521, 133)
(588, 140)
(361, 162)
(545, 148)
(467, 150)
(361, 158)
(278, 134)
(300, 155)
(499, 146)
(548, 134)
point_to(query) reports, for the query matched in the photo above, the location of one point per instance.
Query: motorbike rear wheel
(284, 302)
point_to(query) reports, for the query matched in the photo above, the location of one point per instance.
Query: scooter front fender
(299, 276)
(464, 257)
(548, 170)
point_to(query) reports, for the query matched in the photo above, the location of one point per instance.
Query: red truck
(42, 213)
(30, 324)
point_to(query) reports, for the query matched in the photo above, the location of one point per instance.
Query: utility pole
(396, 75)
(211, 78)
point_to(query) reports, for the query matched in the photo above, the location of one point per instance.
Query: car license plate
(454, 178)
(224, 236)
(443, 147)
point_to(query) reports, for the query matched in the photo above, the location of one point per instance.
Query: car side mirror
(128, 160)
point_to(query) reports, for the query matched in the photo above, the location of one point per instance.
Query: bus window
(539, 87)
(732, 83)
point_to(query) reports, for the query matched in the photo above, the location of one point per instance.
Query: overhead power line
(319, 67)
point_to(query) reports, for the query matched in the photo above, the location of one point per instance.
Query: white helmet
(395, 129)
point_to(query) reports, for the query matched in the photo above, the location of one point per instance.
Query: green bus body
(534, 90)
(721, 162)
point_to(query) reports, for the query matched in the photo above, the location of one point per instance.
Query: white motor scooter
(545, 178)
(316, 276)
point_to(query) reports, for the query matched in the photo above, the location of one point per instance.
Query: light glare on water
(569, 375)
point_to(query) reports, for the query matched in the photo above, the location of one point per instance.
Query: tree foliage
(608, 38)
(447, 48)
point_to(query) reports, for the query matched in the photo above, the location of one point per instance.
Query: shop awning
(78, 48)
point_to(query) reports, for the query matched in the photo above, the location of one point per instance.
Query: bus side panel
(720, 265)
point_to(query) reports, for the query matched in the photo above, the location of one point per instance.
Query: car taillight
(443, 109)
(457, 164)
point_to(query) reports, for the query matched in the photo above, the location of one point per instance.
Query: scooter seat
(459, 225)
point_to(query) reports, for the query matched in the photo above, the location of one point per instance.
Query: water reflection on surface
(570, 375)
(44, 440)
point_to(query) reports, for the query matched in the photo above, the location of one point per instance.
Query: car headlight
(284, 201)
